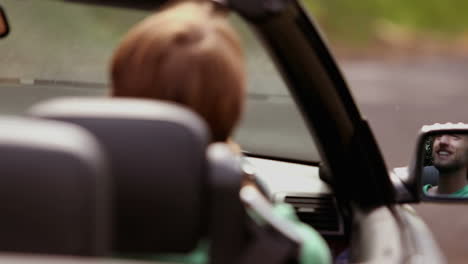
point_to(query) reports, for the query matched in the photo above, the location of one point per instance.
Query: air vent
(318, 211)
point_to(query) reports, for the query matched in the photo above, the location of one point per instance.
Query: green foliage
(428, 159)
(358, 20)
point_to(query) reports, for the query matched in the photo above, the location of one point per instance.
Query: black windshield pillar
(343, 137)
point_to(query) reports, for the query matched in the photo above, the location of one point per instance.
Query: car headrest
(157, 156)
(54, 189)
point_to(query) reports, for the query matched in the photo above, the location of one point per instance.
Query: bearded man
(450, 156)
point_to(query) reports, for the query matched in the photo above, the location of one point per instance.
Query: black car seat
(171, 188)
(54, 189)
(157, 156)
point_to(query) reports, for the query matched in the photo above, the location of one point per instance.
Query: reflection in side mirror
(442, 165)
(4, 27)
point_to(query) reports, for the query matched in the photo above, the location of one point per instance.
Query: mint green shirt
(314, 249)
(462, 193)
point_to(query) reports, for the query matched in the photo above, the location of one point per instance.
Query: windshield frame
(344, 139)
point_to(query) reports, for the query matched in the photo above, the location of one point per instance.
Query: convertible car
(302, 134)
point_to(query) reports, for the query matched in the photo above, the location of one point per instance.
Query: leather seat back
(54, 189)
(157, 156)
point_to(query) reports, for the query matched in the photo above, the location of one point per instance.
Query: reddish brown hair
(187, 54)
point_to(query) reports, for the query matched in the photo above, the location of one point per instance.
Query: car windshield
(63, 49)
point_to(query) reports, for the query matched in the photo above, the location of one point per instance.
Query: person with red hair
(186, 54)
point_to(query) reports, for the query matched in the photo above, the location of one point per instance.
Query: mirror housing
(4, 26)
(441, 149)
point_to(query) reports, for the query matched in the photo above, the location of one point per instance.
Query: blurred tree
(428, 159)
(359, 22)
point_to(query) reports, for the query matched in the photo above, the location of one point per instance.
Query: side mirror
(440, 167)
(4, 27)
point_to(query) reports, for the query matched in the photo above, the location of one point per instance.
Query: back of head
(188, 54)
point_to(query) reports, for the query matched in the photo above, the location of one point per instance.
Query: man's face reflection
(450, 152)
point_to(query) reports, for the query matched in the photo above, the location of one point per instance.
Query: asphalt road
(398, 98)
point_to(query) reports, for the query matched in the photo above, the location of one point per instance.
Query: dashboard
(300, 186)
